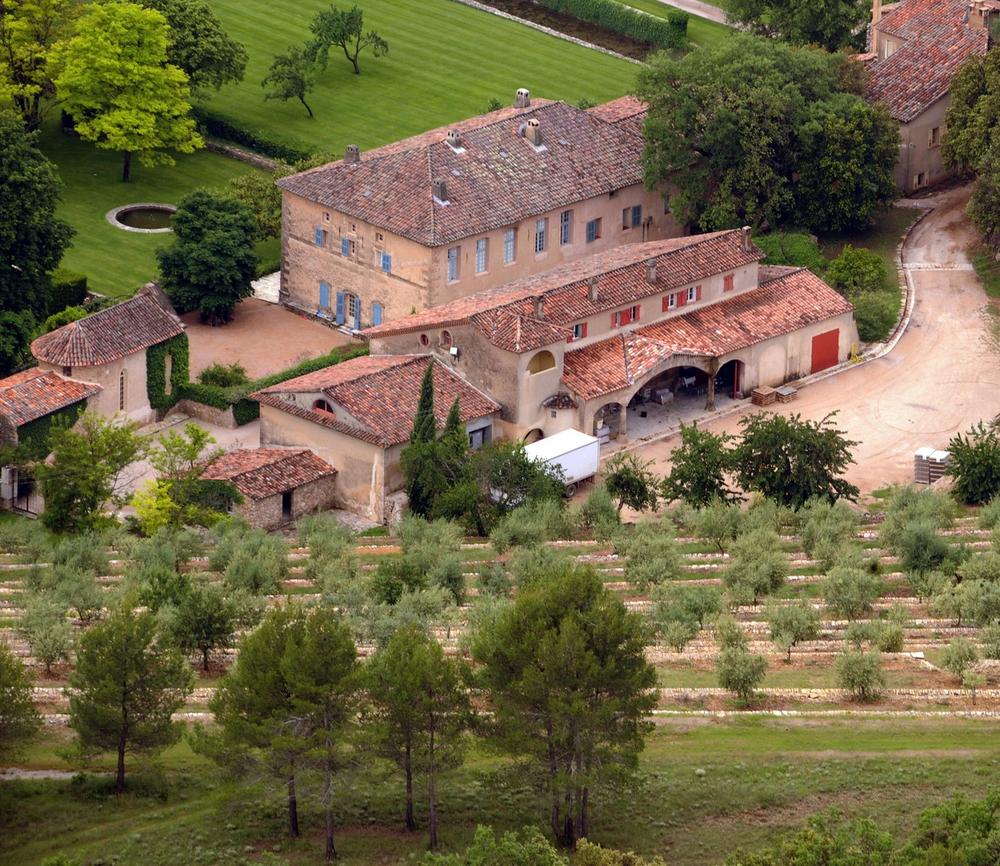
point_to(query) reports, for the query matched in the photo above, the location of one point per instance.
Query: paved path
(940, 378)
(696, 7)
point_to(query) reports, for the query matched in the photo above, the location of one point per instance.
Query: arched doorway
(533, 436)
(729, 380)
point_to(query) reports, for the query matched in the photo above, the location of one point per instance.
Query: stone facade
(123, 384)
(270, 513)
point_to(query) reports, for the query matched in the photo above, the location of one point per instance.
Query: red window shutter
(614, 320)
(666, 303)
(727, 283)
(682, 299)
(583, 330)
(697, 293)
(625, 317)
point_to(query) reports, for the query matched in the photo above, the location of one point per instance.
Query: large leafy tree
(291, 76)
(199, 44)
(19, 720)
(113, 77)
(631, 482)
(569, 687)
(420, 711)
(833, 24)
(728, 128)
(344, 29)
(32, 237)
(127, 685)
(204, 619)
(974, 111)
(28, 30)
(86, 471)
(698, 468)
(792, 461)
(213, 260)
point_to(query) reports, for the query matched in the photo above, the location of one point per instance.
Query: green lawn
(758, 777)
(701, 31)
(117, 262)
(446, 62)
(882, 238)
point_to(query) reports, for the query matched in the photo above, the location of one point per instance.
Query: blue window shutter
(345, 246)
(324, 295)
(387, 263)
(340, 308)
(319, 237)
(376, 314)
(357, 314)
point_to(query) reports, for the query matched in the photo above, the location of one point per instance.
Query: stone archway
(533, 436)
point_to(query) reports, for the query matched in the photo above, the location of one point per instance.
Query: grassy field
(761, 777)
(446, 62)
(117, 262)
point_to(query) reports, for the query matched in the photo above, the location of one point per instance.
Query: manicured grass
(446, 62)
(115, 261)
(701, 32)
(760, 777)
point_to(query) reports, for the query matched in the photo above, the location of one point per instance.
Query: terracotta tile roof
(781, 305)
(532, 312)
(496, 178)
(937, 41)
(33, 394)
(627, 112)
(380, 397)
(261, 472)
(108, 335)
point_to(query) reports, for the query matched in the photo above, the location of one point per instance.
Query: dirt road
(938, 380)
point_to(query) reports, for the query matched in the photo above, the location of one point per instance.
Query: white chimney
(745, 239)
(651, 271)
(454, 139)
(538, 306)
(592, 288)
(523, 98)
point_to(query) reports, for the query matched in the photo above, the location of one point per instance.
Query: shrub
(989, 515)
(677, 633)
(669, 31)
(76, 589)
(599, 514)
(958, 655)
(493, 580)
(851, 592)
(46, 630)
(876, 315)
(679, 601)
(989, 637)
(857, 271)
(827, 523)
(718, 524)
(757, 567)
(889, 637)
(790, 624)
(653, 557)
(860, 674)
(63, 317)
(221, 127)
(251, 560)
(529, 564)
(82, 552)
(907, 505)
(921, 548)
(531, 524)
(740, 672)
(223, 376)
(975, 464)
(729, 633)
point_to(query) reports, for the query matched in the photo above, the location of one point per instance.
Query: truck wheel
(570, 490)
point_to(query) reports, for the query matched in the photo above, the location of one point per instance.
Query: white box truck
(576, 453)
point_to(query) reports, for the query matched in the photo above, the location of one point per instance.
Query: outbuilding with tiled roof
(278, 485)
(109, 348)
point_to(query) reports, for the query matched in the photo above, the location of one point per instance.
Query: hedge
(33, 437)
(156, 372)
(69, 289)
(244, 408)
(668, 32)
(221, 127)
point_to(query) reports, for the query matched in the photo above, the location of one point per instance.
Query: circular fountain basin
(146, 218)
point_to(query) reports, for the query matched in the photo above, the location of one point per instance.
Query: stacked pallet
(930, 465)
(763, 396)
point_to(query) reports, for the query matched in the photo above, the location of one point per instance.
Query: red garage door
(825, 350)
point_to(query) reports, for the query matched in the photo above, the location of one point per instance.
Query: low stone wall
(250, 158)
(219, 417)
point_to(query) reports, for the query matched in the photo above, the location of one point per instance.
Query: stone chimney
(523, 98)
(592, 288)
(873, 30)
(440, 189)
(651, 271)
(981, 14)
(538, 302)
(454, 139)
(745, 241)
(352, 154)
(533, 131)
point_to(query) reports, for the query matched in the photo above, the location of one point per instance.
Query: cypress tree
(424, 422)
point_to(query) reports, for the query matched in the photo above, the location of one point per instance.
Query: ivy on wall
(33, 437)
(156, 372)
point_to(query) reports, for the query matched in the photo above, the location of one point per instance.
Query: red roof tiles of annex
(788, 300)
(32, 394)
(262, 472)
